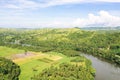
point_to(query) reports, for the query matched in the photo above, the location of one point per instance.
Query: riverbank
(104, 69)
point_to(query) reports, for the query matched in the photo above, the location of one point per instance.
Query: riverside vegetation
(66, 44)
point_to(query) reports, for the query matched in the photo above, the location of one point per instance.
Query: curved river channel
(104, 70)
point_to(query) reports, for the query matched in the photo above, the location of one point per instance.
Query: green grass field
(34, 64)
(6, 52)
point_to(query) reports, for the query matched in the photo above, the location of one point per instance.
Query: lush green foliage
(8, 70)
(104, 44)
(70, 42)
(7, 52)
(78, 59)
(66, 71)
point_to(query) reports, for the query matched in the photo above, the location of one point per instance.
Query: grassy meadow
(7, 52)
(32, 65)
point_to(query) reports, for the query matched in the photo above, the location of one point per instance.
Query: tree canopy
(8, 70)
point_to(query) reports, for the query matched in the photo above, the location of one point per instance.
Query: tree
(9, 70)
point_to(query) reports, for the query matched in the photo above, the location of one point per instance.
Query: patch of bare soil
(22, 55)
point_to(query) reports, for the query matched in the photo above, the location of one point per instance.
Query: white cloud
(23, 4)
(103, 19)
(107, 0)
(61, 2)
(11, 6)
(19, 4)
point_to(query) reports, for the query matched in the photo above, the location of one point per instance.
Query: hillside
(101, 28)
(104, 44)
(32, 63)
(39, 47)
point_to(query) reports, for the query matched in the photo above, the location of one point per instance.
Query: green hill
(66, 42)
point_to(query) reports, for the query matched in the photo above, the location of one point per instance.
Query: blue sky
(59, 13)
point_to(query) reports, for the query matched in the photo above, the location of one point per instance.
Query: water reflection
(104, 70)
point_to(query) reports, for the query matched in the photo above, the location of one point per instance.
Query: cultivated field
(32, 63)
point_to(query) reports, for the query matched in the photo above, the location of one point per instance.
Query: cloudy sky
(59, 13)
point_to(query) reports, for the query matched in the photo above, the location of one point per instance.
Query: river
(104, 70)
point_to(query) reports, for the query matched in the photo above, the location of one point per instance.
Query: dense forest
(70, 42)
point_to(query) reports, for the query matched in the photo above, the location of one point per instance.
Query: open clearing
(32, 63)
(23, 58)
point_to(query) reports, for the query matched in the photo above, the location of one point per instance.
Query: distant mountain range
(101, 28)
